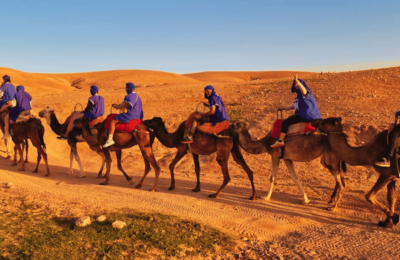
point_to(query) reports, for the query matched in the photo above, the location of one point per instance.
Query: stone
(83, 221)
(10, 184)
(101, 218)
(118, 224)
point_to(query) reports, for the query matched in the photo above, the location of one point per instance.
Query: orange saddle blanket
(123, 127)
(208, 128)
(91, 123)
(299, 128)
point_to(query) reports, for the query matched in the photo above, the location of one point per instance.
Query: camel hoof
(305, 202)
(385, 224)
(266, 198)
(21, 169)
(8, 157)
(212, 196)
(332, 209)
(104, 183)
(254, 197)
(153, 190)
(196, 190)
(395, 218)
(171, 188)
(331, 201)
(13, 164)
(99, 176)
(70, 172)
(138, 186)
(47, 175)
(84, 176)
(131, 182)
(26, 161)
(35, 171)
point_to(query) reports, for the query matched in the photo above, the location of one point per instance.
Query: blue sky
(184, 36)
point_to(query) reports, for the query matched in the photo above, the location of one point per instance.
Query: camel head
(237, 127)
(46, 113)
(331, 124)
(79, 123)
(153, 123)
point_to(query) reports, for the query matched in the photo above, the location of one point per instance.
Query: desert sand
(366, 101)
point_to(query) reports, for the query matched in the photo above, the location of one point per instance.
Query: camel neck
(170, 140)
(55, 125)
(250, 146)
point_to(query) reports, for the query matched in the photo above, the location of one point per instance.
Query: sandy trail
(299, 231)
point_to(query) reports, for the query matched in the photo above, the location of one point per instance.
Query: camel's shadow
(280, 203)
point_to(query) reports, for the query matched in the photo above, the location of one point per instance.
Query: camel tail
(41, 135)
(343, 166)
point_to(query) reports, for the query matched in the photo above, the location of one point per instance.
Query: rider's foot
(384, 163)
(108, 143)
(278, 144)
(6, 135)
(62, 138)
(187, 140)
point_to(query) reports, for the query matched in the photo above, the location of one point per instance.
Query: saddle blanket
(123, 127)
(208, 128)
(299, 128)
(91, 123)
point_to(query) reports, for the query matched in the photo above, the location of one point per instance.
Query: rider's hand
(281, 108)
(206, 104)
(114, 105)
(397, 113)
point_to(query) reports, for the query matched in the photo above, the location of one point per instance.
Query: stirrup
(187, 140)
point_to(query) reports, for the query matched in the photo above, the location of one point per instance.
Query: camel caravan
(301, 137)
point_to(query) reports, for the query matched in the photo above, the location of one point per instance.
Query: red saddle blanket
(123, 127)
(299, 128)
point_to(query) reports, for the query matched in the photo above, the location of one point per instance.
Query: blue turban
(94, 90)
(6, 78)
(20, 88)
(130, 86)
(210, 88)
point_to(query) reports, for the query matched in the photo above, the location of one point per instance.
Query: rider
(132, 104)
(393, 135)
(216, 114)
(306, 109)
(7, 92)
(93, 110)
(23, 107)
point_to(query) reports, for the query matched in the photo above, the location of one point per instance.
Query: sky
(184, 36)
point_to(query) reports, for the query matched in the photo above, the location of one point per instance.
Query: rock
(83, 221)
(10, 184)
(101, 218)
(118, 224)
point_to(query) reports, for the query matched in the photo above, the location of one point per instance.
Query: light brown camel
(298, 148)
(33, 130)
(123, 140)
(367, 155)
(203, 145)
(73, 138)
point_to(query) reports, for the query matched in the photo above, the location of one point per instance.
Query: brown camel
(33, 130)
(203, 145)
(367, 155)
(73, 138)
(298, 148)
(7, 142)
(123, 140)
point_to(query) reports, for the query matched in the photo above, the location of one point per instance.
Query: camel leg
(21, 154)
(15, 155)
(71, 162)
(371, 197)
(275, 168)
(26, 150)
(181, 152)
(392, 197)
(293, 175)
(100, 152)
(224, 166)
(108, 165)
(147, 169)
(339, 189)
(23, 149)
(74, 151)
(197, 170)
(7, 142)
(238, 157)
(149, 156)
(127, 177)
(39, 157)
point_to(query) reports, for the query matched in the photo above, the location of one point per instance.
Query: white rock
(101, 218)
(83, 221)
(118, 224)
(10, 184)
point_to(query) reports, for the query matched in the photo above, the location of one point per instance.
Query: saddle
(295, 129)
(92, 124)
(208, 128)
(123, 127)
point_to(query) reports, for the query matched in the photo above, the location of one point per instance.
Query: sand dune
(238, 76)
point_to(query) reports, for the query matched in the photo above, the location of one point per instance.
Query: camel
(203, 145)
(298, 148)
(73, 138)
(33, 130)
(140, 136)
(7, 143)
(367, 155)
